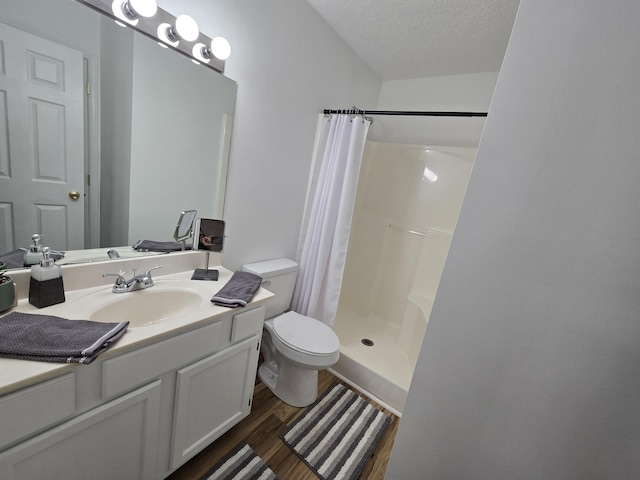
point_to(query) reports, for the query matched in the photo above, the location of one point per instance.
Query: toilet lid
(306, 334)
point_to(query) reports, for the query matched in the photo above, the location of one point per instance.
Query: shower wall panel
(405, 191)
(407, 205)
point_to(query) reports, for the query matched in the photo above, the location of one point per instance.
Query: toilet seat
(305, 334)
(305, 340)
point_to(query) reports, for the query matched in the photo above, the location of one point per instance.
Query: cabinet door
(115, 440)
(212, 395)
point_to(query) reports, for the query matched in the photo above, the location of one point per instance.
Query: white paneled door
(41, 142)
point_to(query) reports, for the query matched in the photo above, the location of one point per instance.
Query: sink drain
(367, 342)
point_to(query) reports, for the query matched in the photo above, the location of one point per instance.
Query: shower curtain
(326, 224)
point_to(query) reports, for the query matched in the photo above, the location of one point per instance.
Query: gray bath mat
(241, 464)
(337, 434)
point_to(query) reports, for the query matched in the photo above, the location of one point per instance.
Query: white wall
(462, 93)
(289, 65)
(531, 364)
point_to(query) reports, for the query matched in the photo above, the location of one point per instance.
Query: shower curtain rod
(355, 111)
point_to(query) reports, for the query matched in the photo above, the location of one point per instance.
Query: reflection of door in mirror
(41, 142)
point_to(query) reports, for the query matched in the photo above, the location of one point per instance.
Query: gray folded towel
(47, 338)
(154, 246)
(13, 259)
(238, 291)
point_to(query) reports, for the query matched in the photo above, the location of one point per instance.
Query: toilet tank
(279, 277)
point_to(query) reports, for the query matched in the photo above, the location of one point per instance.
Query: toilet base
(292, 384)
(268, 374)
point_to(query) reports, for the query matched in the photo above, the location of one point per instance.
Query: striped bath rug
(337, 434)
(241, 464)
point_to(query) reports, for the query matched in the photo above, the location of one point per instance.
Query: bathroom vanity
(158, 396)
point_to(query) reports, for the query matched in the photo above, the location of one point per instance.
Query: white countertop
(15, 374)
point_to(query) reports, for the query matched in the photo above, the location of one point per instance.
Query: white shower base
(382, 371)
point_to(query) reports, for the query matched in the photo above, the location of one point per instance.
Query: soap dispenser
(46, 287)
(33, 256)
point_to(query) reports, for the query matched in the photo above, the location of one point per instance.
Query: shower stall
(407, 205)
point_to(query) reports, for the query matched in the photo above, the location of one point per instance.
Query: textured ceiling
(401, 39)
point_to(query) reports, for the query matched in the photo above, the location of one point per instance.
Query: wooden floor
(260, 430)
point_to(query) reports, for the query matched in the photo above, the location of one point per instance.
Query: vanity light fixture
(185, 28)
(123, 20)
(139, 8)
(219, 49)
(162, 30)
(198, 52)
(180, 33)
(130, 11)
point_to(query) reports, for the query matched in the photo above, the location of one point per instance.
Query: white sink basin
(139, 308)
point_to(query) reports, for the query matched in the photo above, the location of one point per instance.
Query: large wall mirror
(111, 137)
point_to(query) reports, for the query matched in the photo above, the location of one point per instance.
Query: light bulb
(163, 32)
(145, 8)
(187, 28)
(220, 48)
(201, 53)
(118, 12)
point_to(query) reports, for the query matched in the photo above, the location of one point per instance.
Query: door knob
(74, 194)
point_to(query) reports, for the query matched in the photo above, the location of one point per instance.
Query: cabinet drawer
(246, 324)
(35, 408)
(135, 368)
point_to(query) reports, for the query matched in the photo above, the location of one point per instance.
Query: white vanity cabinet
(115, 440)
(212, 395)
(135, 415)
(215, 393)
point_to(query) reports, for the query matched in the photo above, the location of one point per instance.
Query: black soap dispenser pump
(46, 287)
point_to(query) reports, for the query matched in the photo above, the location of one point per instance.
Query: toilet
(294, 346)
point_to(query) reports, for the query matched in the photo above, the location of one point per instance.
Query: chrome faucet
(138, 282)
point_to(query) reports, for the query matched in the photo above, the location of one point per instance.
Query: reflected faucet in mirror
(210, 239)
